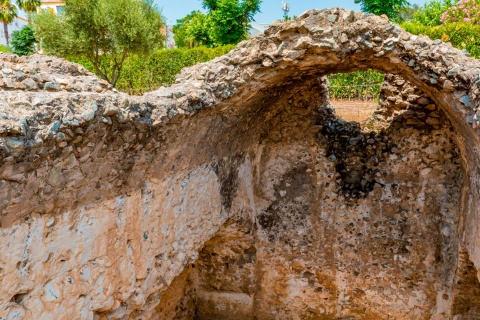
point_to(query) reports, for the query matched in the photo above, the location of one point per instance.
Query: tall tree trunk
(5, 29)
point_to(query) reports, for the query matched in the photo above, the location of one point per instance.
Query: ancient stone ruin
(237, 193)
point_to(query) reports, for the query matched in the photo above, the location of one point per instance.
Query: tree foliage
(430, 13)
(391, 8)
(226, 22)
(23, 41)
(192, 31)
(8, 11)
(230, 18)
(28, 5)
(105, 32)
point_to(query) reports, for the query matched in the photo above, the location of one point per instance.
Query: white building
(55, 6)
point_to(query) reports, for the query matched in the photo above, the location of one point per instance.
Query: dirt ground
(354, 110)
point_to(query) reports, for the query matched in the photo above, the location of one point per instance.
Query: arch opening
(355, 95)
(330, 220)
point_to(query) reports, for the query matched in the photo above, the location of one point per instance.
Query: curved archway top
(315, 44)
(335, 40)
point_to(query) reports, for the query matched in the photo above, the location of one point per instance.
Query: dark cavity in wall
(356, 154)
(287, 211)
(227, 173)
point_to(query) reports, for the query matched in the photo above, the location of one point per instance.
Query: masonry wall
(341, 222)
(238, 189)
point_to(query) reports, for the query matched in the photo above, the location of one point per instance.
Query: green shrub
(140, 75)
(430, 13)
(5, 49)
(23, 41)
(461, 35)
(356, 85)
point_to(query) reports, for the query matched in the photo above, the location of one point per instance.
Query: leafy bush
(23, 41)
(461, 35)
(140, 74)
(429, 14)
(356, 85)
(5, 49)
(463, 11)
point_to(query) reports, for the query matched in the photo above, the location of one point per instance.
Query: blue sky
(271, 9)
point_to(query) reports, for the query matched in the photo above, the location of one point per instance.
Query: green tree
(23, 41)
(192, 31)
(8, 13)
(105, 32)
(226, 22)
(230, 18)
(28, 5)
(391, 8)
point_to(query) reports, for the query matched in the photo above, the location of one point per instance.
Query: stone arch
(110, 173)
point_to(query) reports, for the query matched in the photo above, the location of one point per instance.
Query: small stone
(44, 77)
(408, 114)
(88, 115)
(15, 142)
(18, 129)
(425, 172)
(355, 140)
(423, 101)
(327, 43)
(51, 222)
(107, 120)
(110, 110)
(465, 99)
(21, 105)
(332, 18)
(54, 127)
(302, 43)
(448, 85)
(29, 84)
(52, 86)
(433, 121)
(348, 16)
(19, 75)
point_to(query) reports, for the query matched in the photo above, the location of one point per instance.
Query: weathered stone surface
(239, 189)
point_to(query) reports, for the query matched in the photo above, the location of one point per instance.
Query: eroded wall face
(339, 223)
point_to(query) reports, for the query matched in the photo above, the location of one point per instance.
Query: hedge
(365, 83)
(358, 85)
(142, 74)
(460, 35)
